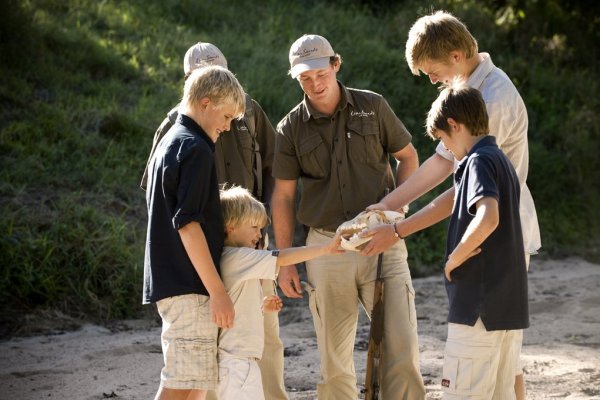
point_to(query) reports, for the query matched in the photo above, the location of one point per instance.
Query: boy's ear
(228, 229)
(456, 56)
(454, 126)
(204, 102)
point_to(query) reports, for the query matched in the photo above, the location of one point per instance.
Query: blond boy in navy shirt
(185, 235)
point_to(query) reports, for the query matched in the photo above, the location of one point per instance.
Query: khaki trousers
(336, 286)
(271, 363)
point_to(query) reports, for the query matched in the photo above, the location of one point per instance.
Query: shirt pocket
(314, 156)
(246, 144)
(362, 136)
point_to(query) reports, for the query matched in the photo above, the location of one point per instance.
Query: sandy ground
(561, 352)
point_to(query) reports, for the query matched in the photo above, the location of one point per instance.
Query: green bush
(84, 84)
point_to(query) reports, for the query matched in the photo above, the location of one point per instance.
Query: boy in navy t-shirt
(185, 235)
(485, 269)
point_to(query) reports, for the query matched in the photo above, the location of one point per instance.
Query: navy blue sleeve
(482, 181)
(194, 184)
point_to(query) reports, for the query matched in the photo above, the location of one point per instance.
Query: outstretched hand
(382, 238)
(377, 206)
(333, 247)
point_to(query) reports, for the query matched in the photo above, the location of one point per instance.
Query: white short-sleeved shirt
(241, 271)
(508, 123)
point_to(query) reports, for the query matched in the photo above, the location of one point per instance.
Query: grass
(84, 84)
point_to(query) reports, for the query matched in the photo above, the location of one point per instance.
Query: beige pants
(336, 286)
(271, 363)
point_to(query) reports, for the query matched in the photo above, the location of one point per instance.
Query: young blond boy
(242, 269)
(185, 235)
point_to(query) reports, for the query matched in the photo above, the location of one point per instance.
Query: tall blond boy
(185, 235)
(242, 269)
(441, 46)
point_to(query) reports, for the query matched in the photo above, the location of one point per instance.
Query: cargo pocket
(313, 305)
(246, 145)
(465, 376)
(195, 359)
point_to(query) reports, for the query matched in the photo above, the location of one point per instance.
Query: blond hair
(433, 37)
(216, 83)
(239, 206)
(463, 104)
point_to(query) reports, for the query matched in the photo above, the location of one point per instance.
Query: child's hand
(376, 206)
(222, 310)
(452, 263)
(272, 304)
(333, 247)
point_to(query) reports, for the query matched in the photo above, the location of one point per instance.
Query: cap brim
(307, 65)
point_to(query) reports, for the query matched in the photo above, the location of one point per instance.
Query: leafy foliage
(84, 84)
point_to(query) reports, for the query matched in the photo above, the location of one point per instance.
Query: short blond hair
(216, 83)
(239, 206)
(463, 104)
(434, 36)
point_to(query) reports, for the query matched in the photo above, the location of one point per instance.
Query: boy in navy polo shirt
(485, 269)
(185, 235)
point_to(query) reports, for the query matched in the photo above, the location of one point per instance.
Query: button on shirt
(508, 123)
(182, 187)
(341, 159)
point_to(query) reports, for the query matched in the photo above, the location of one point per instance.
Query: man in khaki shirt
(243, 157)
(337, 141)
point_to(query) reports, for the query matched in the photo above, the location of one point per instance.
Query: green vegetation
(83, 85)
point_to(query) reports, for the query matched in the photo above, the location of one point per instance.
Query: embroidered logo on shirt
(362, 114)
(446, 383)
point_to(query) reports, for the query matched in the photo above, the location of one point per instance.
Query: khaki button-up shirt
(342, 159)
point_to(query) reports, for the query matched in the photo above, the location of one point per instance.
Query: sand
(561, 350)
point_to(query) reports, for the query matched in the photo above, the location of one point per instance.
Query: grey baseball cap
(309, 52)
(202, 55)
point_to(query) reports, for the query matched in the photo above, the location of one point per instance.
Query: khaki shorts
(189, 343)
(479, 364)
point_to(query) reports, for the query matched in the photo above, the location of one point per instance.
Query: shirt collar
(481, 72)
(488, 140)
(195, 128)
(309, 111)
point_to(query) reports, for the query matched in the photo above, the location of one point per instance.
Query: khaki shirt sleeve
(394, 135)
(285, 160)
